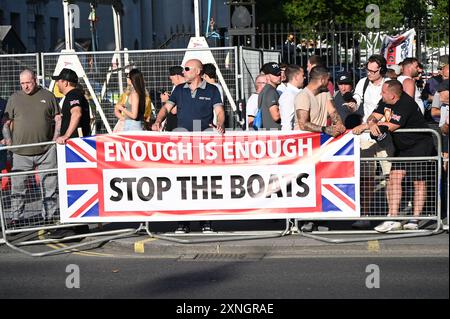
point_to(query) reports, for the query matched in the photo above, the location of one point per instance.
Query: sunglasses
(373, 71)
(188, 68)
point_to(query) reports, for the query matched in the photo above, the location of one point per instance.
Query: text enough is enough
(209, 151)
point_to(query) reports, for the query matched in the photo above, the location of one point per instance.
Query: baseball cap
(66, 74)
(384, 139)
(271, 68)
(176, 70)
(345, 78)
(443, 86)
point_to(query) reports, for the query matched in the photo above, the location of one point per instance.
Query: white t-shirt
(287, 107)
(444, 114)
(417, 98)
(252, 106)
(371, 97)
(281, 88)
(220, 90)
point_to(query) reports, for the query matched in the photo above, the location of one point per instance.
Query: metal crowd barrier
(431, 171)
(31, 228)
(377, 210)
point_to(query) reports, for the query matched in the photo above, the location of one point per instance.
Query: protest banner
(397, 48)
(148, 176)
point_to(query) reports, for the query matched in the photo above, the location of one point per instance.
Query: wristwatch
(323, 129)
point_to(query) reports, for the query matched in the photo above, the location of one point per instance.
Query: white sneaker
(411, 225)
(388, 226)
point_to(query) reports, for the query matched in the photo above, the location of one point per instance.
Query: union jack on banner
(336, 172)
(96, 186)
(82, 178)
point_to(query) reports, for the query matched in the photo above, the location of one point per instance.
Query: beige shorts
(372, 149)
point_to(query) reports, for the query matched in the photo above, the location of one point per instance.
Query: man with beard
(408, 80)
(313, 105)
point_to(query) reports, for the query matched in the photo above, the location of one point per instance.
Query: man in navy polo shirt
(195, 101)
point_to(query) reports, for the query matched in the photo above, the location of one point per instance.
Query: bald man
(195, 101)
(31, 113)
(400, 111)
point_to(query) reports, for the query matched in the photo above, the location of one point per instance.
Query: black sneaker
(361, 224)
(207, 228)
(182, 229)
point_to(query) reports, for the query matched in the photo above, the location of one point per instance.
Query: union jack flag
(334, 162)
(337, 174)
(82, 179)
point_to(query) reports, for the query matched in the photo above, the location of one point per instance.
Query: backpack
(258, 121)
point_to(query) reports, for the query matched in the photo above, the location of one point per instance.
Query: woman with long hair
(132, 110)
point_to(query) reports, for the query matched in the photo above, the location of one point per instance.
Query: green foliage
(393, 13)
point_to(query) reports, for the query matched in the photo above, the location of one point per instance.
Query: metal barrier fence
(105, 71)
(347, 47)
(35, 196)
(10, 67)
(376, 194)
(251, 61)
(29, 209)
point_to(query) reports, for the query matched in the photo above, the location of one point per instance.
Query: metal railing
(374, 189)
(25, 217)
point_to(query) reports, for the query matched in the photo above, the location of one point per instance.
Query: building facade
(146, 24)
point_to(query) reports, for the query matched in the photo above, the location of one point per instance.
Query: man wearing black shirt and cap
(75, 120)
(75, 108)
(401, 111)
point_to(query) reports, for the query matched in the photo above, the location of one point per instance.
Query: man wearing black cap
(32, 113)
(75, 108)
(342, 99)
(401, 111)
(268, 98)
(176, 77)
(75, 123)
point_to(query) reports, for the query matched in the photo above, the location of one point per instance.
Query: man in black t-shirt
(75, 108)
(401, 111)
(75, 120)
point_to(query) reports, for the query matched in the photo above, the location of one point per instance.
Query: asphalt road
(259, 278)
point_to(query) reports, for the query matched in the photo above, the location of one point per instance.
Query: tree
(393, 13)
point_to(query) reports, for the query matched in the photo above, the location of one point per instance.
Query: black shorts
(417, 170)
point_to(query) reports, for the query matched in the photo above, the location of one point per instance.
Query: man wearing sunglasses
(195, 101)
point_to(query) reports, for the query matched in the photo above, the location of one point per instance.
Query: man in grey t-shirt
(32, 113)
(268, 98)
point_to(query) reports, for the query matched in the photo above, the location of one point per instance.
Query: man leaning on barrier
(404, 113)
(31, 115)
(313, 105)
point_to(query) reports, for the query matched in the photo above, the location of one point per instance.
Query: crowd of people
(389, 98)
(286, 97)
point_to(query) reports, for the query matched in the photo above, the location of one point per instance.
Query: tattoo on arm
(304, 123)
(335, 118)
